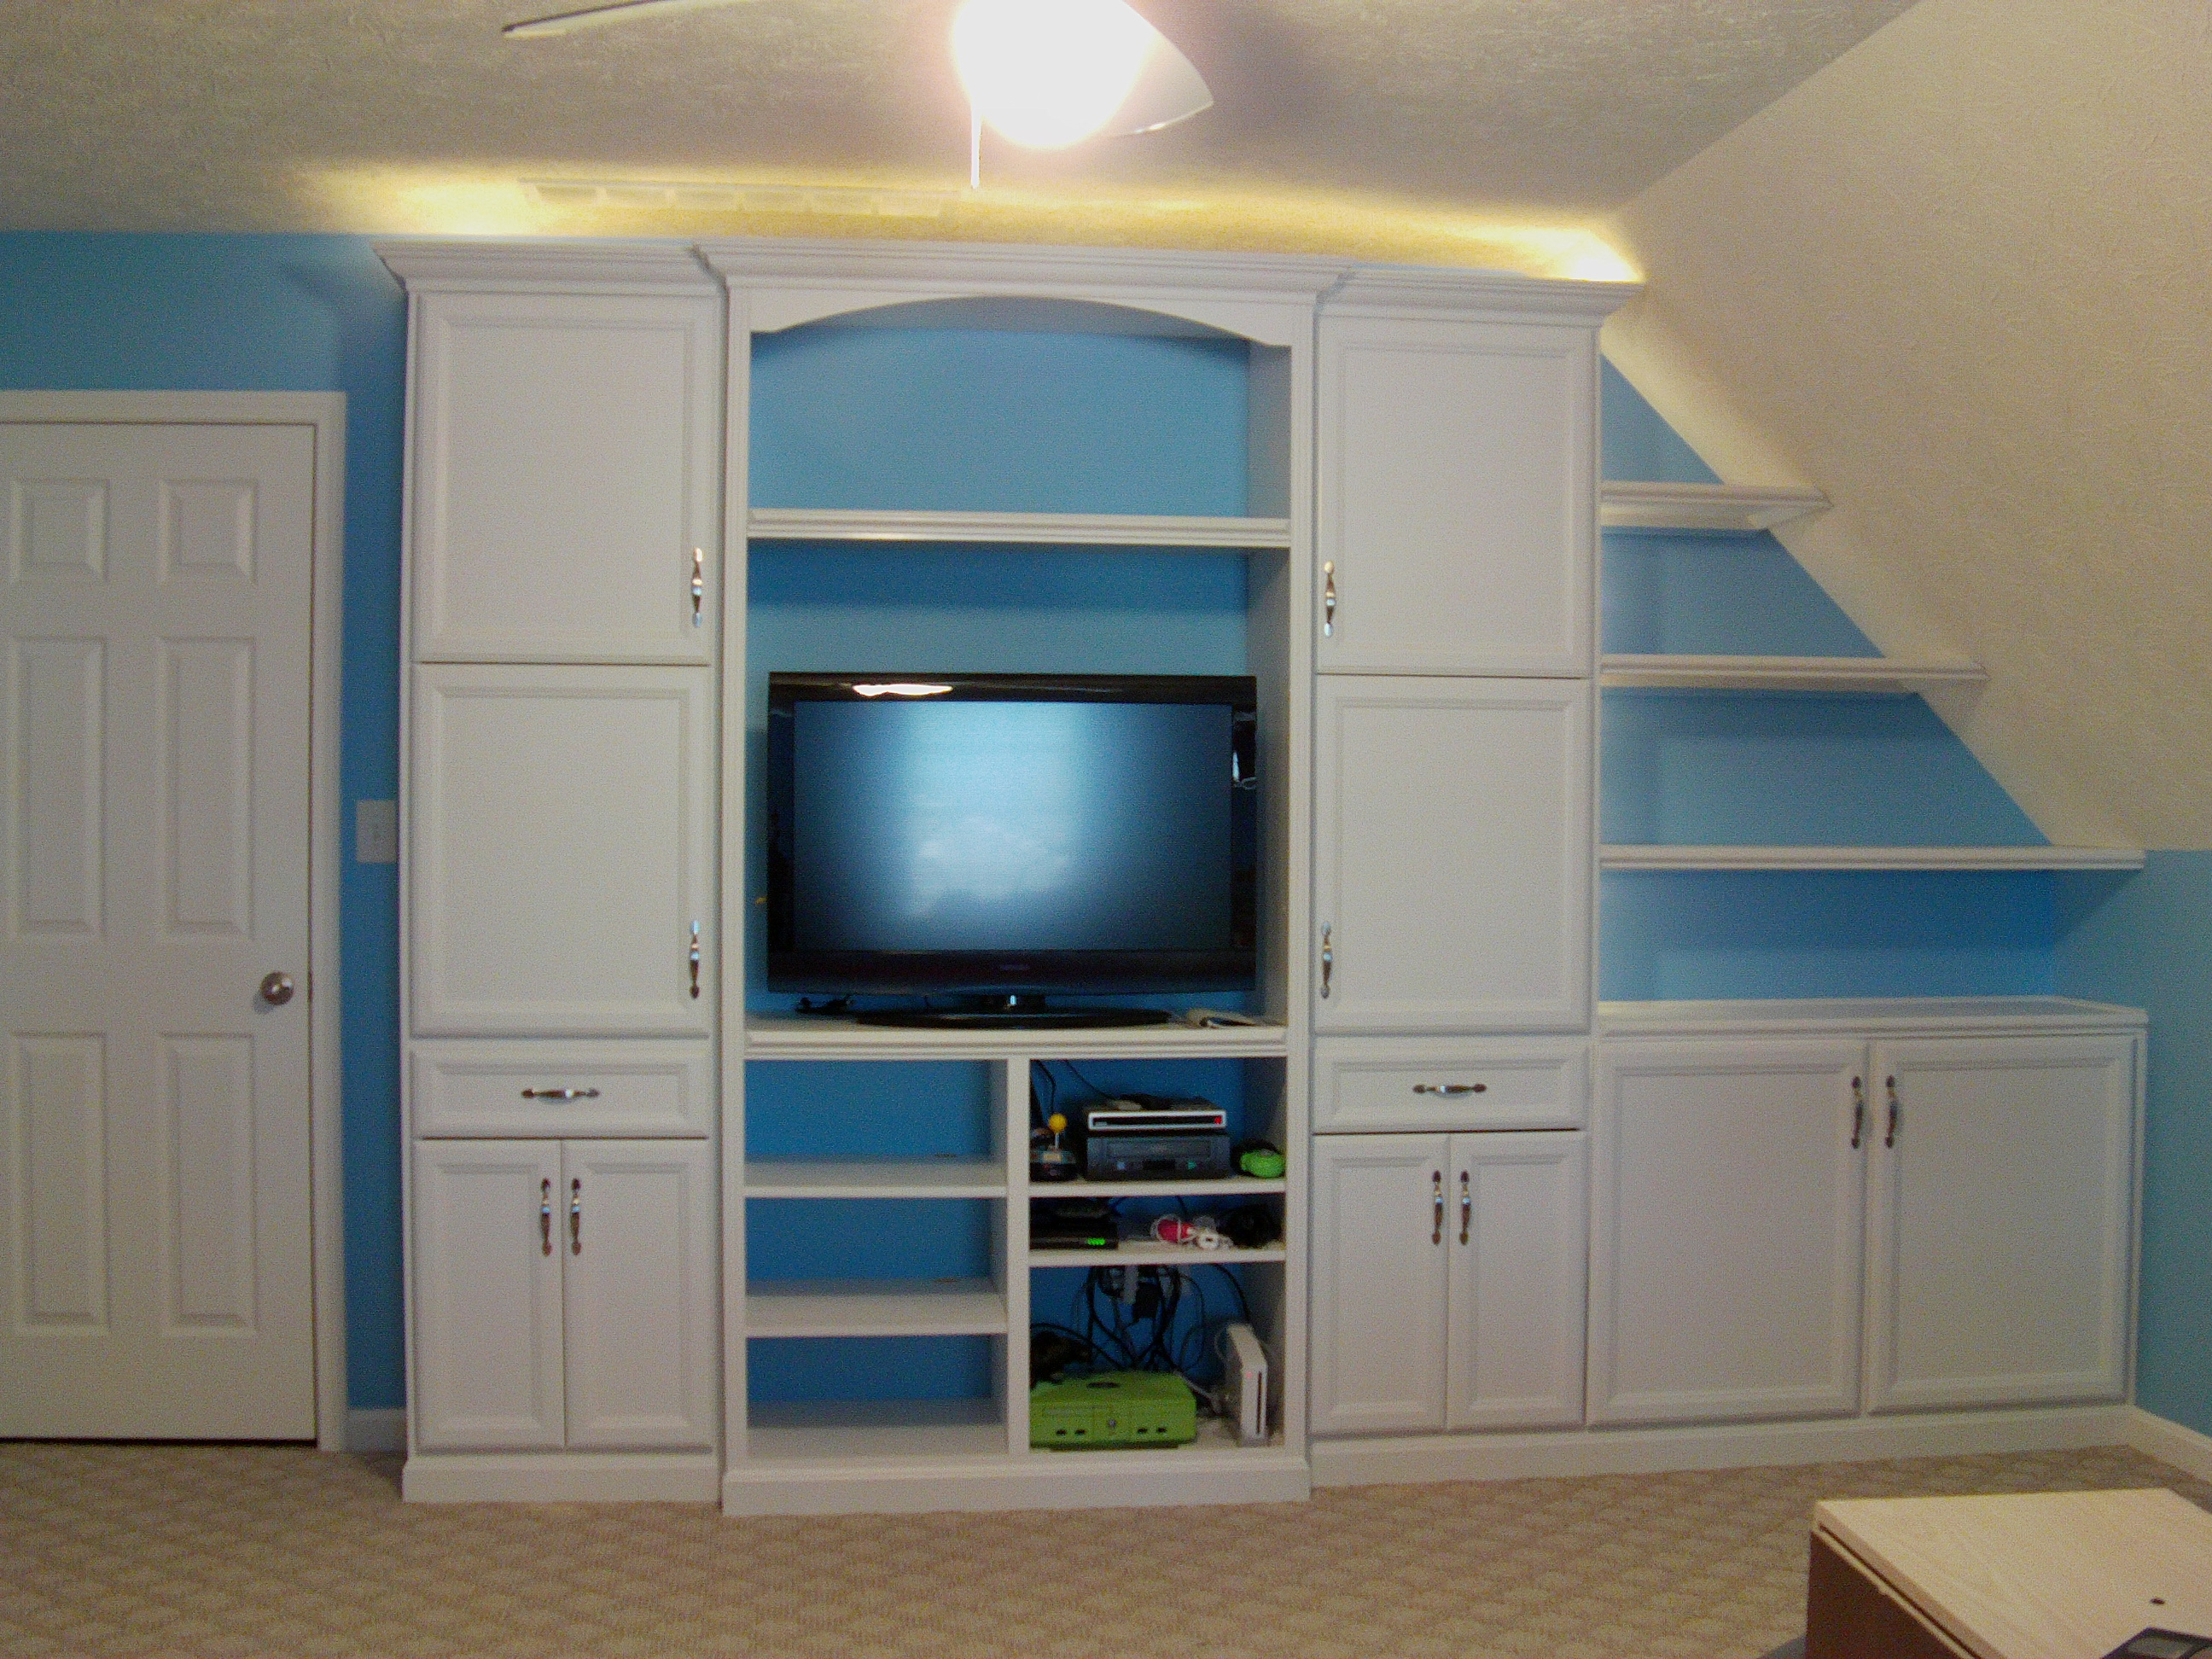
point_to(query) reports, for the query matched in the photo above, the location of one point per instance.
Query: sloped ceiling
(1457, 132)
(1961, 279)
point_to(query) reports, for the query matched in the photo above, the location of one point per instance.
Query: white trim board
(383, 1428)
(2170, 1442)
(325, 412)
(1413, 1459)
(1045, 1480)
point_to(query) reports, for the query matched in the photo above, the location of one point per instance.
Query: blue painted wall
(2145, 940)
(278, 313)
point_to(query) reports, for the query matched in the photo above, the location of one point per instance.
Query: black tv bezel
(788, 969)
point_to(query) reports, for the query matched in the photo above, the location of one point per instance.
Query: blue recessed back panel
(1638, 447)
(1718, 595)
(944, 419)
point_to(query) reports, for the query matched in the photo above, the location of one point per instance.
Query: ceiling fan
(1042, 74)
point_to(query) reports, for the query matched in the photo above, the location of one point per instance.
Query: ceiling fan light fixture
(1045, 74)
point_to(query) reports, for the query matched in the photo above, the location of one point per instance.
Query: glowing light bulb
(1049, 73)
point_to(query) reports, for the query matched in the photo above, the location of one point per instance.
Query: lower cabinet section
(565, 1296)
(1448, 1281)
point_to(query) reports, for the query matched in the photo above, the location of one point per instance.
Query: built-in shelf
(1226, 1187)
(875, 1177)
(771, 1038)
(1744, 509)
(832, 1430)
(787, 523)
(1151, 1254)
(874, 1307)
(1878, 674)
(1624, 857)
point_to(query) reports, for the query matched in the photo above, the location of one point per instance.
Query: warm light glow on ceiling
(1046, 74)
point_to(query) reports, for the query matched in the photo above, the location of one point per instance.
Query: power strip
(1244, 1380)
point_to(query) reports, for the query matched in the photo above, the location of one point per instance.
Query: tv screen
(1011, 834)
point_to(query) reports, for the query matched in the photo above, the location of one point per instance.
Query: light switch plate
(376, 832)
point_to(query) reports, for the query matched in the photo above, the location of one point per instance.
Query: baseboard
(1408, 1459)
(2170, 1442)
(379, 1431)
(561, 1478)
(1046, 1480)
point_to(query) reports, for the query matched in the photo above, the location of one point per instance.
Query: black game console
(1155, 1137)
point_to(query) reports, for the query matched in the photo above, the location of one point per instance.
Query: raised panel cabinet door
(1453, 862)
(566, 478)
(561, 851)
(1457, 497)
(1519, 1229)
(487, 1302)
(640, 1296)
(2001, 1220)
(1380, 1269)
(1726, 1194)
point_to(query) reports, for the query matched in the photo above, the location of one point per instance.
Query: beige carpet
(192, 1551)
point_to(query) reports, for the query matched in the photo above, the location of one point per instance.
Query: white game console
(1244, 1383)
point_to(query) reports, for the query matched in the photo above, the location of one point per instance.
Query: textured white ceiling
(1385, 127)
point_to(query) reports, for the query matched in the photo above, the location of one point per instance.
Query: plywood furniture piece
(2025, 1576)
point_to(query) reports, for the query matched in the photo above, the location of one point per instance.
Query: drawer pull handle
(545, 1215)
(1436, 1188)
(1858, 1113)
(1451, 1088)
(698, 585)
(1466, 1206)
(1329, 599)
(560, 1094)
(576, 1217)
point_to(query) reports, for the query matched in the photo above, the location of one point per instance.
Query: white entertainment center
(1782, 1234)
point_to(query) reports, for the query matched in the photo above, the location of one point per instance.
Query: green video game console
(1118, 1409)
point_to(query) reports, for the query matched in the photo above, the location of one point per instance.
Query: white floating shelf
(875, 1177)
(833, 1431)
(1150, 1255)
(874, 1307)
(1884, 674)
(1622, 857)
(1744, 509)
(1228, 1187)
(1048, 529)
(797, 1037)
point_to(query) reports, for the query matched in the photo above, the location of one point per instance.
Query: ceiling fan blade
(599, 17)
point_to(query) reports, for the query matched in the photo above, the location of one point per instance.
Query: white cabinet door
(561, 852)
(487, 1278)
(1381, 1265)
(1725, 1201)
(1457, 496)
(640, 1297)
(1453, 858)
(1520, 1233)
(566, 477)
(2003, 1193)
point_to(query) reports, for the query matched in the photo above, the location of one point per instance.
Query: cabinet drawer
(1364, 1084)
(628, 1088)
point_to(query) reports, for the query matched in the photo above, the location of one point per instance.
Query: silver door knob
(277, 989)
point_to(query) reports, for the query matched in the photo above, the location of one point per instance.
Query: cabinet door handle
(1895, 1112)
(1327, 958)
(1329, 598)
(1858, 1113)
(1437, 1191)
(545, 1215)
(698, 585)
(1451, 1088)
(577, 1216)
(695, 961)
(560, 1094)
(1466, 1206)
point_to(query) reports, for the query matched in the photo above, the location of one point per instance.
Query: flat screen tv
(999, 838)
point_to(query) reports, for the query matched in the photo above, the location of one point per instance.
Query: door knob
(277, 989)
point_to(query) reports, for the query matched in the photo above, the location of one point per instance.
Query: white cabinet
(1362, 1084)
(2000, 1221)
(566, 476)
(564, 1294)
(1457, 495)
(1452, 854)
(1448, 1282)
(1725, 1236)
(562, 852)
(1729, 1231)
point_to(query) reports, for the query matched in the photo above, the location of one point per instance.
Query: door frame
(326, 413)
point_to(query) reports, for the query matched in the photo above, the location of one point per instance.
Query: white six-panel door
(2002, 1187)
(1452, 854)
(155, 1127)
